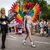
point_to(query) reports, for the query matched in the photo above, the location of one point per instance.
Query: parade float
(34, 10)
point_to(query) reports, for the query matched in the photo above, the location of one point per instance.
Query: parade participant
(41, 27)
(27, 26)
(0, 22)
(4, 27)
(48, 27)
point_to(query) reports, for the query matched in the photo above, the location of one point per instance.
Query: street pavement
(14, 42)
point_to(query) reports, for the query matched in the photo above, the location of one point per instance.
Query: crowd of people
(42, 27)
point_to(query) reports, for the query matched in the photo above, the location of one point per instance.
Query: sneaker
(24, 42)
(33, 45)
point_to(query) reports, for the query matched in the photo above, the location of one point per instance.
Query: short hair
(25, 13)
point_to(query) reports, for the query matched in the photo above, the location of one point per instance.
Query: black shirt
(4, 19)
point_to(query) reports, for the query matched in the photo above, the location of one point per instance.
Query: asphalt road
(14, 42)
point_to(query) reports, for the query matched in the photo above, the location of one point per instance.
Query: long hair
(0, 13)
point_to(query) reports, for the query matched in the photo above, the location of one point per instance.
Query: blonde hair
(2, 9)
(0, 13)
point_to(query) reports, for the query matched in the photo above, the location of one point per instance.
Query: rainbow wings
(19, 17)
(35, 12)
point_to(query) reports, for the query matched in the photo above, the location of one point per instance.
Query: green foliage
(46, 15)
(45, 9)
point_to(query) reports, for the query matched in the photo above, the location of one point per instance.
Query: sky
(48, 1)
(8, 3)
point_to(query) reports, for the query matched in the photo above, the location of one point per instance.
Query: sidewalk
(14, 42)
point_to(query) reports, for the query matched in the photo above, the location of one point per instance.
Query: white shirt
(28, 19)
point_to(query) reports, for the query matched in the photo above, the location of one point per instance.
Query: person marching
(27, 27)
(4, 27)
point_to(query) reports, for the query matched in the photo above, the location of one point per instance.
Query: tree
(45, 9)
(46, 15)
